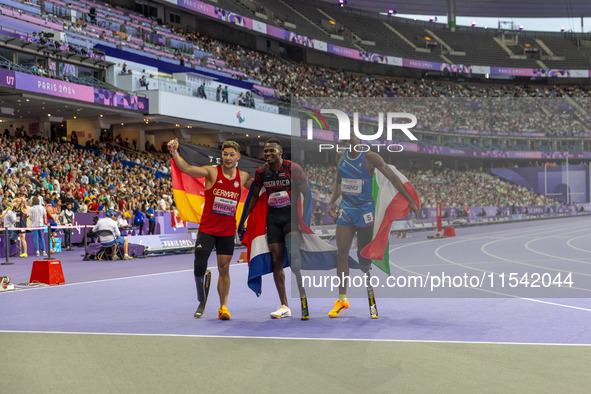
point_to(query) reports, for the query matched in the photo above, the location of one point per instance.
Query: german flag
(189, 192)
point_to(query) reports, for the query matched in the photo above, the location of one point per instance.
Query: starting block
(47, 271)
(243, 257)
(449, 232)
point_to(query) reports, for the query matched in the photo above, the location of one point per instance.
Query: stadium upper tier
(362, 33)
(275, 78)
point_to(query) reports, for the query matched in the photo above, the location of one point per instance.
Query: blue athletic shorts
(358, 217)
(119, 241)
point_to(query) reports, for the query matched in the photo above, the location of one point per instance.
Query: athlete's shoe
(44, 254)
(127, 258)
(37, 254)
(282, 311)
(223, 313)
(24, 255)
(116, 258)
(339, 306)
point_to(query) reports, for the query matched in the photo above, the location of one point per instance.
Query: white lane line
(574, 247)
(487, 235)
(483, 249)
(111, 279)
(476, 263)
(299, 338)
(490, 291)
(560, 257)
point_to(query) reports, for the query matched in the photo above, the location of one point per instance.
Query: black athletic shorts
(206, 242)
(279, 224)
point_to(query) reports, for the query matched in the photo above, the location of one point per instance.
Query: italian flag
(389, 206)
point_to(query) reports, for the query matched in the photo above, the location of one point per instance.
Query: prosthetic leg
(292, 244)
(373, 309)
(364, 237)
(202, 283)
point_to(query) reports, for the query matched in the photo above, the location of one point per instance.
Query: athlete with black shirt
(283, 181)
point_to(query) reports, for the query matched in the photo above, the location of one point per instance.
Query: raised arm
(379, 163)
(194, 171)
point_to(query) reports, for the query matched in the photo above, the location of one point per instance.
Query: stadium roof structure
(482, 8)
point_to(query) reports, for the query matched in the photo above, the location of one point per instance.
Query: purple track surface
(157, 295)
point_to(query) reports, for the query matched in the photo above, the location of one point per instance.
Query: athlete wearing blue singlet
(354, 181)
(357, 207)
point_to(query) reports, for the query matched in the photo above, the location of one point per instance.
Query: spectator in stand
(74, 138)
(201, 91)
(318, 214)
(67, 218)
(225, 94)
(83, 207)
(121, 221)
(22, 211)
(144, 82)
(151, 215)
(38, 213)
(240, 100)
(94, 206)
(53, 221)
(9, 221)
(138, 217)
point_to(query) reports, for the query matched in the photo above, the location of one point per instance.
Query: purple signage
(54, 87)
(74, 91)
(118, 99)
(215, 12)
(7, 78)
(518, 72)
(424, 65)
(346, 52)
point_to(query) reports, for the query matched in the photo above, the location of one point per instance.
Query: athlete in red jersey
(223, 185)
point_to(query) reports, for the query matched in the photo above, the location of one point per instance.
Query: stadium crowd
(450, 187)
(291, 79)
(471, 189)
(91, 180)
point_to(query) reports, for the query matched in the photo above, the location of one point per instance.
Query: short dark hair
(275, 141)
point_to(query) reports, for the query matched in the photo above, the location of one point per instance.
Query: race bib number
(279, 200)
(223, 206)
(368, 217)
(351, 186)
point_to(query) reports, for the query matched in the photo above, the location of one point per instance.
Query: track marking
(490, 291)
(111, 279)
(550, 255)
(300, 338)
(574, 247)
(482, 248)
(476, 263)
